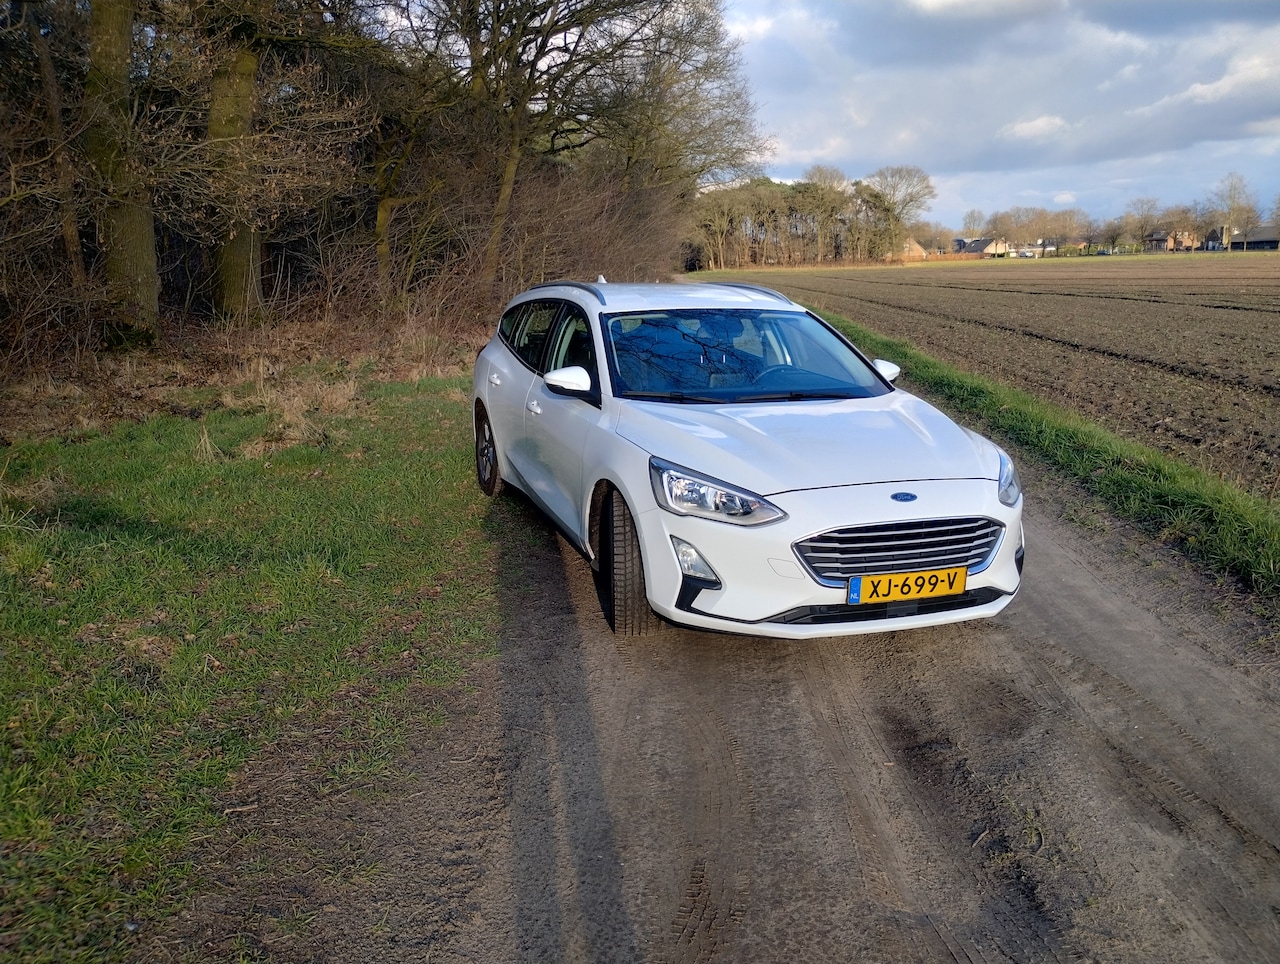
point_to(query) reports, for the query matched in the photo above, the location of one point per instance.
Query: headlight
(1010, 484)
(686, 493)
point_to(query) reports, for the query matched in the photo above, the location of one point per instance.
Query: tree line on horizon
(826, 217)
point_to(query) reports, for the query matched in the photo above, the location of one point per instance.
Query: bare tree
(1143, 215)
(1179, 221)
(673, 106)
(1238, 206)
(1090, 230)
(528, 67)
(906, 192)
(934, 236)
(1206, 218)
(270, 131)
(1005, 226)
(1113, 233)
(1248, 219)
(823, 194)
(58, 140)
(974, 223)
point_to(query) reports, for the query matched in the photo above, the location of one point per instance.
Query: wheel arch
(595, 515)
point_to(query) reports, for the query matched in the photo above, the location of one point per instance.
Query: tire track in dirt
(831, 684)
(1183, 744)
(987, 792)
(686, 769)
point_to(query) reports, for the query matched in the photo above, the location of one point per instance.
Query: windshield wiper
(795, 395)
(681, 398)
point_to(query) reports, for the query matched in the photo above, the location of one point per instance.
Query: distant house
(912, 250)
(1261, 238)
(1158, 241)
(987, 247)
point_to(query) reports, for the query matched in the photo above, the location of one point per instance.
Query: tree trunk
(128, 226)
(501, 209)
(52, 95)
(232, 100)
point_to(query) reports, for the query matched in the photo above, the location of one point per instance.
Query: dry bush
(581, 223)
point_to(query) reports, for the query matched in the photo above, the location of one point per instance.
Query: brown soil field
(1179, 352)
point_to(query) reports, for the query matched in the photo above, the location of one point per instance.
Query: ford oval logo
(903, 497)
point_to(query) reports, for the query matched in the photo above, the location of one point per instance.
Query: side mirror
(888, 369)
(574, 380)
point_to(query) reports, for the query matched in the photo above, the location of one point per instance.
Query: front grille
(837, 556)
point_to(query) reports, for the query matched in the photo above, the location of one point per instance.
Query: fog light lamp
(692, 563)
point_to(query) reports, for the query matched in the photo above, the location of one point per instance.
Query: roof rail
(593, 289)
(750, 287)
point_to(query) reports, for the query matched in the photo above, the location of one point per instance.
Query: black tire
(629, 608)
(487, 473)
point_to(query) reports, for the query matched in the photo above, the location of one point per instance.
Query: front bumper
(765, 590)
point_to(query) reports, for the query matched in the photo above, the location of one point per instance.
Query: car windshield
(721, 355)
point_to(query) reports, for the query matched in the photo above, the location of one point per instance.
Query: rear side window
(511, 321)
(524, 328)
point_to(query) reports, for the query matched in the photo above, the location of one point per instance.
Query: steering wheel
(766, 372)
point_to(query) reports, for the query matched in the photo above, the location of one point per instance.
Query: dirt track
(1090, 777)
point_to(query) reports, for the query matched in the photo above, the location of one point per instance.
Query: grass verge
(176, 595)
(1235, 533)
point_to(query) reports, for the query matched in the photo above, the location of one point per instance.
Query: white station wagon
(729, 461)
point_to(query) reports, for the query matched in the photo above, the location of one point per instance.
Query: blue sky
(1032, 103)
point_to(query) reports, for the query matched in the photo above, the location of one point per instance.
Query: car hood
(777, 447)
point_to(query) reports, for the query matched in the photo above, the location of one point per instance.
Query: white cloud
(753, 28)
(1242, 77)
(967, 8)
(1041, 128)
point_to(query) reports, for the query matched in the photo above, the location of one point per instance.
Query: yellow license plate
(896, 586)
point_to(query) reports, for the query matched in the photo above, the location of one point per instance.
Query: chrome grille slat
(840, 554)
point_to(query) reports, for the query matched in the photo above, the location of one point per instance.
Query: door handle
(535, 407)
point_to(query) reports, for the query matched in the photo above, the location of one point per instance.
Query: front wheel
(487, 473)
(628, 603)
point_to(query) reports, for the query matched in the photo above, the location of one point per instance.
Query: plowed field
(1180, 352)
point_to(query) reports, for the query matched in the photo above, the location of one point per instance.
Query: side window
(531, 331)
(511, 323)
(573, 343)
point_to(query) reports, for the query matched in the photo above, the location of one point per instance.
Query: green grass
(170, 606)
(1235, 533)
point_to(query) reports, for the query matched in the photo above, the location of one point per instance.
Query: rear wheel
(487, 472)
(628, 603)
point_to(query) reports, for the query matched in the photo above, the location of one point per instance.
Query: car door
(558, 428)
(512, 374)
